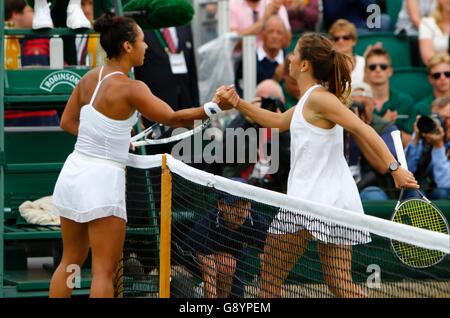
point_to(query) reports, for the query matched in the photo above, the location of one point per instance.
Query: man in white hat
(372, 177)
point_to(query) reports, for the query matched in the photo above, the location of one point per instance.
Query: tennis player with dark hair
(319, 171)
(90, 192)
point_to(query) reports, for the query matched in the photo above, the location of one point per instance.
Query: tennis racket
(417, 212)
(157, 130)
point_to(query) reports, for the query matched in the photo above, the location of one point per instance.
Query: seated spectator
(439, 76)
(408, 22)
(248, 16)
(219, 242)
(35, 50)
(303, 15)
(411, 14)
(392, 105)
(372, 177)
(343, 34)
(356, 12)
(269, 55)
(434, 31)
(243, 168)
(427, 154)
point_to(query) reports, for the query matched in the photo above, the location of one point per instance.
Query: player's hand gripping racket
(417, 212)
(151, 135)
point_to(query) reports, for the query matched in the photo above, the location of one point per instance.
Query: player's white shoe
(76, 18)
(42, 18)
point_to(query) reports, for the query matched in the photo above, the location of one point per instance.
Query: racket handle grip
(396, 137)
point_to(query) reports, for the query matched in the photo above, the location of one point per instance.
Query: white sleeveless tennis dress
(91, 184)
(319, 173)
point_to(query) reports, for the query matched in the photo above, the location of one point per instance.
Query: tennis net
(230, 239)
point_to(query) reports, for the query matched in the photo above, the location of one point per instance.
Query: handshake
(226, 97)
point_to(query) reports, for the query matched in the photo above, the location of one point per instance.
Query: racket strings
(419, 213)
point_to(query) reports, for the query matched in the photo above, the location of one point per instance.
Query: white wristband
(211, 109)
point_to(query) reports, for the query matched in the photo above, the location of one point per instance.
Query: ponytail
(339, 82)
(329, 66)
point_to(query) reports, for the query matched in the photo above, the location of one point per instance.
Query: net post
(166, 205)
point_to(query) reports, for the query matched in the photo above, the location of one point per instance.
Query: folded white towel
(39, 212)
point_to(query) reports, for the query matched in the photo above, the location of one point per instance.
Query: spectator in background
(434, 31)
(439, 76)
(269, 55)
(408, 22)
(35, 51)
(343, 34)
(427, 154)
(248, 16)
(392, 105)
(177, 86)
(265, 89)
(356, 12)
(303, 15)
(219, 242)
(411, 15)
(372, 178)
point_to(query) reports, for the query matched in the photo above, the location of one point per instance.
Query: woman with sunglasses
(343, 34)
(319, 171)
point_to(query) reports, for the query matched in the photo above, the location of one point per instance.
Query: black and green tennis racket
(417, 212)
(157, 133)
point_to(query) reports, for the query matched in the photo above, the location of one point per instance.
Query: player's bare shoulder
(321, 99)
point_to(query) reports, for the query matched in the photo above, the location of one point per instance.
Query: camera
(430, 124)
(359, 106)
(272, 103)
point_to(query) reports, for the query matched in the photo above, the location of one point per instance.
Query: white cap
(363, 88)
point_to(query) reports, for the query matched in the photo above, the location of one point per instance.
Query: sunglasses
(373, 67)
(344, 37)
(437, 75)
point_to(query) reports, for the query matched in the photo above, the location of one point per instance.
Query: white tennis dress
(319, 173)
(91, 184)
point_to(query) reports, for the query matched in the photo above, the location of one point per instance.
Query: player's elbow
(70, 126)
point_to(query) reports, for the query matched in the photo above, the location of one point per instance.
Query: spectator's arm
(427, 50)
(414, 12)
(439, 162)
(413, 152)
(426, 45)
(441, 167)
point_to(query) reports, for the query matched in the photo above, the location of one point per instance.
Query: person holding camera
(268, 95)
(372, 179)
(427, 154)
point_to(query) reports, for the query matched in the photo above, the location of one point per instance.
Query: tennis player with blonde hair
(89, 194)
(319, 171)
